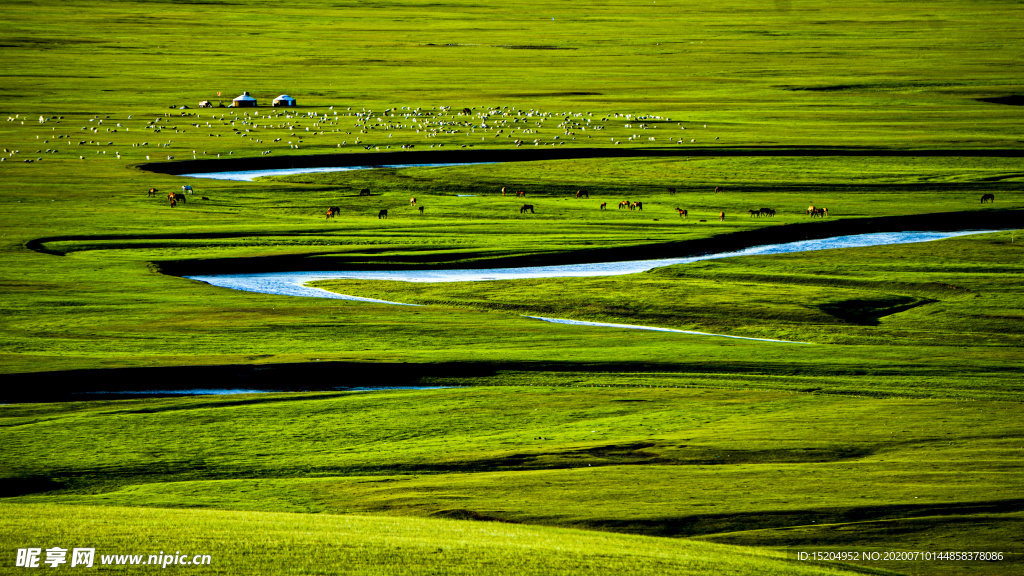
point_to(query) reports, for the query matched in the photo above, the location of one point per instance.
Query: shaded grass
(667, 462)
(299, 544)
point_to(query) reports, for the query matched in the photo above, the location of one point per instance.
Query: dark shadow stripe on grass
(460, 156)
(707, 524)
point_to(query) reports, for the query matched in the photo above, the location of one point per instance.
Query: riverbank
(728, 242)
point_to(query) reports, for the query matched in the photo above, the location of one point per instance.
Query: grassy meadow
(889, 422)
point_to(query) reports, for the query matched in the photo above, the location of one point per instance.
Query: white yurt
(284, 100)
(244, 101)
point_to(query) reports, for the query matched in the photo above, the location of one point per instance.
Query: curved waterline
(294, 283)
(250, 175)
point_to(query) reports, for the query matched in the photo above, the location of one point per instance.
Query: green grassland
(893, 423)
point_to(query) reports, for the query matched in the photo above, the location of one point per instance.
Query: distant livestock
(604, 205)
(153, 191)
(421, 209)
(582, 194)
(637, 206)
(412, 201)
(364, 192)
(333, 211)
(383, 214)
(682, 213)
(819, 212)
(525, 208)
(187, 189)
(988, 197)
(721, 216)
(624, 204)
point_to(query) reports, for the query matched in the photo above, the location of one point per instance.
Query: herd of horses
(333, 211)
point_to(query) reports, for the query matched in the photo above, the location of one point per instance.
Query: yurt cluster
(246, 100)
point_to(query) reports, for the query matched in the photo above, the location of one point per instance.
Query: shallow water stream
(294, 283)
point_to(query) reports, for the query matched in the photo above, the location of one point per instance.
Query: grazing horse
(682, 213)
(637, 206)
(989, 197)
(467, 111)
(604, 205)
(582, 194)
(810, 209)
(520, 194)
(186, 189)
(502, 190)
(364, 192)
(754, 213)
(412, 201)
(721, 216)
(624, 204)
(333, 211)
(382, 214)
(717, 189)
(173, 198)
(153, 191)
(767, 211)
(820, 212)
(525, 208)
(421, 209)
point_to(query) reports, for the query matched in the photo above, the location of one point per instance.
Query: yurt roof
(284, 97)
(245, 96)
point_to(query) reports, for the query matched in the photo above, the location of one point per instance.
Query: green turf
(896, 428)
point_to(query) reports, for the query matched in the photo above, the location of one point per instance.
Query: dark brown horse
(989, 197)
(333, 211)
(582, 194)
(364, 192)
(604, 205)
(382, 214)
(525, 208)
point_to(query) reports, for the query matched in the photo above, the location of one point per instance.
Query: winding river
(294, 283)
